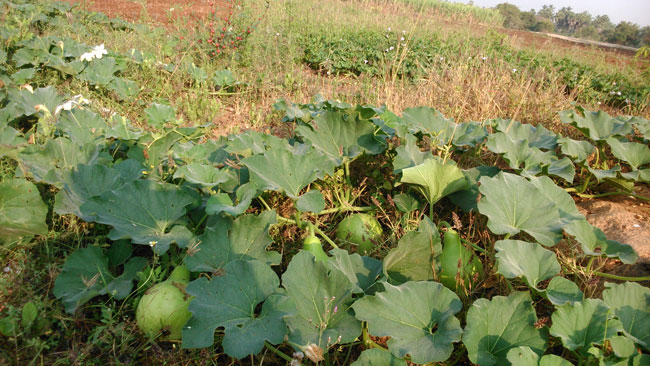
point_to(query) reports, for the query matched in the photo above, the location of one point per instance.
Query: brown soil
(627, 220)
(158, 10)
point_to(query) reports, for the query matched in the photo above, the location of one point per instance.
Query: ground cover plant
(358, 234)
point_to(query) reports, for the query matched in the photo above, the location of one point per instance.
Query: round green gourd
(361, 230)
(162, 311)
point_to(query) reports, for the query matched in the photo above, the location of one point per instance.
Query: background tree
(511, 15)
(547, 11)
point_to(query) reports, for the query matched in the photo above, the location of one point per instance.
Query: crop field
(303, 182)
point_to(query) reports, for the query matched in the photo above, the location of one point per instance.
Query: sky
(635, 11)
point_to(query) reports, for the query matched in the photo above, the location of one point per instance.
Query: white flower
(171, 9)
(598, 103)
(7, 269)
(365, 61)
(442, 58)
(389, 29)
(514, 70)
(484, 58)
(96, 52)
(401, 38)
(618, 93)
(77, 100)
(277, 34)
(391, 48)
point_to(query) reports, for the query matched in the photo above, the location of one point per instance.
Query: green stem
(585, 184)
(346, 167)
(476, 247)
(278, 352)
(616, 193)
(591, 263)
(620, 278)
(508, 235)
(266, 205)
(369, 342)
(316, 229)
(201, 221)
(345, 209)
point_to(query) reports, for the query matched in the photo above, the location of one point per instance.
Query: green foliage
(517, 258)
(631, 304)
(513, 204)
(229, 301)
(426, 332)
(435, 179)
(86, 274)
(496, 326)
(22, 211)
(583, 324)
(145, 212)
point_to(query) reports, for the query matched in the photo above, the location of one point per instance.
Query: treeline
(567, 22)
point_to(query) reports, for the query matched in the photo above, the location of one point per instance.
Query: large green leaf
(245, 238)
(312, 201)
(596, 125)
(467, 198)
(378, 357)
(524, 356)
(430, 122)
(49, 163)
(222, 202)
(435, 179)
(517, 258)
(496, 326)
(339, 136)
(409, 154)
(363, 272)
(204, 175)
(85, 182)
(413, 258)
(282, 170)
(538, 137)
(26, 101)
(144, 211)
(593, 242)
(22, 211)
(513, 204)
(11, 142)
(631, 304)
(633, 153)
(81, 125)
(417, 316)
(100, 72)
(230, 301)
(577, 150)
(322, 297)
(583, 324)
(528, 159)
(86, 275)
(560, 291)
(159, 114)
(565, 204)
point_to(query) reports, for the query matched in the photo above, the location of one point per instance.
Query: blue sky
(635, 11)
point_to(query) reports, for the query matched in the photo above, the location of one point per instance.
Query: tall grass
(459, 11)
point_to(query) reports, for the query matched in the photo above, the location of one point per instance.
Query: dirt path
(162, 11)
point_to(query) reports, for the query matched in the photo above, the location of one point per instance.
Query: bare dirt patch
(626, 220)
(161, 11)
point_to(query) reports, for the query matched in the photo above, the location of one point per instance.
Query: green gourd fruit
(163, 310)
(361, 230)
